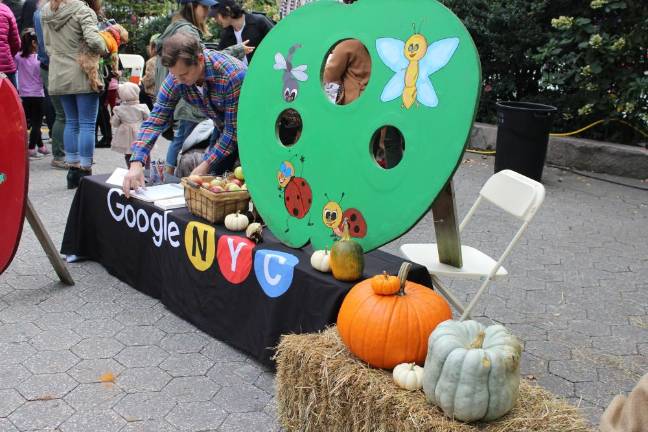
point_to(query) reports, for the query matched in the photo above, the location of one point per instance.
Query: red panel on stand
(14, 171)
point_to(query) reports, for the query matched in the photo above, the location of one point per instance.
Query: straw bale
(321, 386)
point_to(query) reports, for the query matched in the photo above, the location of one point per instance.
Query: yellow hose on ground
(565, 134)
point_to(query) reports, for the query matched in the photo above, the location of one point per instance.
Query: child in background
(30, 88)
(127, 119)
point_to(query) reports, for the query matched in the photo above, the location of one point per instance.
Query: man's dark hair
(181, 46)
(229, 8)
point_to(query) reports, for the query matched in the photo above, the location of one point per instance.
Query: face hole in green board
(387, 146)
(347, 62)
(288, 127)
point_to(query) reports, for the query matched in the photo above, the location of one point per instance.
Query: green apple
(238, 173)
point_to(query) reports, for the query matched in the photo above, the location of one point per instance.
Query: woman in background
(9, 42)
(66, 24)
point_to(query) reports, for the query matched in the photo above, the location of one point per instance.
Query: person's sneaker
(33, 154)
(43, 150)
(59, 163)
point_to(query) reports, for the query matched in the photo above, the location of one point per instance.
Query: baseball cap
(208, 3)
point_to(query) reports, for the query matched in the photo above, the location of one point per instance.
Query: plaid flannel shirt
(219, 102)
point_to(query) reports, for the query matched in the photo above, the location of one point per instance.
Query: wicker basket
(213, 206)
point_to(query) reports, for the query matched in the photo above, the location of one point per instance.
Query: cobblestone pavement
(577, 296)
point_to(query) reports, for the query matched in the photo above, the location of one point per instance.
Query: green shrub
(506, 33)
(141, 18)
(595, 67)
(529, 53)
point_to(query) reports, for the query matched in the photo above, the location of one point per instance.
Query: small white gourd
(472, 372)
(236, 222)
(408, 376)
(320, 260)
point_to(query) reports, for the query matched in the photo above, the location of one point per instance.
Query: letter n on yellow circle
(200, 244)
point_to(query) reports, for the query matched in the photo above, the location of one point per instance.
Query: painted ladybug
(357, 223)
(298, 195)
(332, 216)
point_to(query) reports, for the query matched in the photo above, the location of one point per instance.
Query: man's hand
(247, 49)
(134, 178)
(202, 169)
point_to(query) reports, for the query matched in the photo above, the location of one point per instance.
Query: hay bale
(322, 387)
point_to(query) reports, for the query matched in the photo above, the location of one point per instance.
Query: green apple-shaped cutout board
(425, 81)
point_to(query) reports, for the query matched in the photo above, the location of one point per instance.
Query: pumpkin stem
(479, 340)
(402, 275)
(385, 275)
(345, 230)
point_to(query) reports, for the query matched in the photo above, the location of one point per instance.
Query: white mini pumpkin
(472, 372)
(236, 222)
(408, 376)
(320, 260)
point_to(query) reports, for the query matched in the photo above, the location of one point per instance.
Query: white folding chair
(134, 62)
(511, 192)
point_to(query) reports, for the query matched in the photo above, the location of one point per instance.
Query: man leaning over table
(207, 79)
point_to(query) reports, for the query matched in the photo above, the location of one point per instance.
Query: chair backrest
(132, 61)
(514, 193)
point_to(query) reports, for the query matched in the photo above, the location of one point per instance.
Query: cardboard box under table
(184, 261)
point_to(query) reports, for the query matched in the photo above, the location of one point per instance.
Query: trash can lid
(525, 106)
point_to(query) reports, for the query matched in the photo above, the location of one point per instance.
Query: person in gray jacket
(67, 24)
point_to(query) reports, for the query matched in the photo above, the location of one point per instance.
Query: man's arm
(227, 140)
(158, 121)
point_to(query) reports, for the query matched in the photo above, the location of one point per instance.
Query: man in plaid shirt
(206, 79)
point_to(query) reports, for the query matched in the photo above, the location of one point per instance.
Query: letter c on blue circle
(274, 270)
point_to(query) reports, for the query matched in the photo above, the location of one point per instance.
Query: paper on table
(171, 203)
(117, 177)
(159, 192)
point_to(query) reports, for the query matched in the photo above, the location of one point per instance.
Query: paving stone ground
(577, 296)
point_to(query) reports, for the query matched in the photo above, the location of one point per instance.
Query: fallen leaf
(107, 378)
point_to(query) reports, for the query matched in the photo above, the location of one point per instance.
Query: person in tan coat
(127, 119)
(628, 414)
(350, 66)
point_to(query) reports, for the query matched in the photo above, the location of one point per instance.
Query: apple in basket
(232, 187)
(236, 182)
(218, 181)
(216, 189)
(238, 173)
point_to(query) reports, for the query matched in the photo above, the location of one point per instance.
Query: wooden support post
(444, 211)
(47, 244)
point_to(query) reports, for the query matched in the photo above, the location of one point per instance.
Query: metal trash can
(522, 137)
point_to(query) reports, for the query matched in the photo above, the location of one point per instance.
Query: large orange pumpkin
(386, 330)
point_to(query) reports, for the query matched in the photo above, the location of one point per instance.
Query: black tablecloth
(248, 314)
